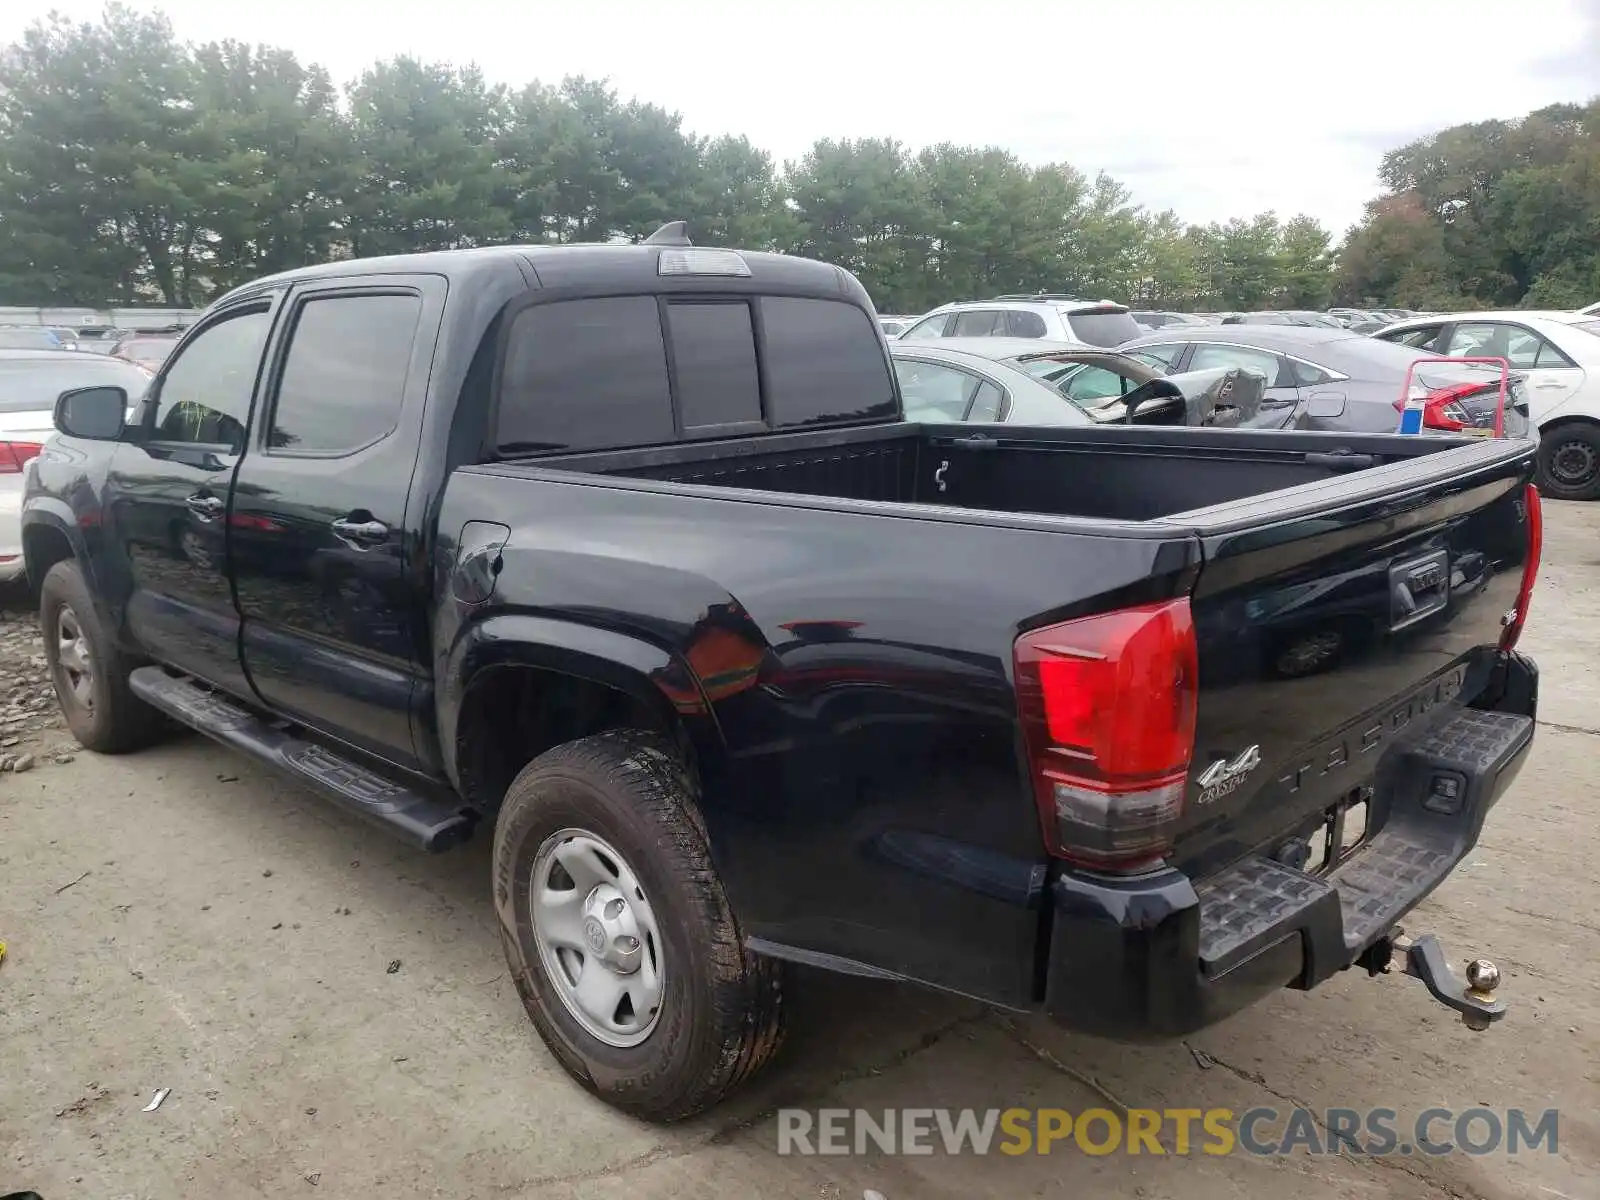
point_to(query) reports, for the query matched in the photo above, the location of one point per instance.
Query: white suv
(1059, 318)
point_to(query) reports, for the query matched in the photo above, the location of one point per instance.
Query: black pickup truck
(624, 554)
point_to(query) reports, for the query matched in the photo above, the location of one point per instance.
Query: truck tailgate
(1335, 625)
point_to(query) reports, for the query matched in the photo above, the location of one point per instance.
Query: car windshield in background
(1104, 326)
(32, 384)
(1588, 326)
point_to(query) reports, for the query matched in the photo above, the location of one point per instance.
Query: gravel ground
(332, 1015)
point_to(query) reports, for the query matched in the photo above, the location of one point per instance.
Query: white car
(1558, 356)
(30, 381)
(1057, 318)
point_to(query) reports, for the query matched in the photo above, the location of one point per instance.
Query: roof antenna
(673, 233)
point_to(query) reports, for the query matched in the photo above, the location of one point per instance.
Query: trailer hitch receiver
(1472, 997)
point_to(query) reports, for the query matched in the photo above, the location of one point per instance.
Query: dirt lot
(332, 1015)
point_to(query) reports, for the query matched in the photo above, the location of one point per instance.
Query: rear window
(1104, 327)
(597, 374)
(584, 375)
(825, 363)
(32, 385)
(714, 354)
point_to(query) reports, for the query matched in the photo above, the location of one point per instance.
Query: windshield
(1104, 327)
(32, 384)
(1588, 326)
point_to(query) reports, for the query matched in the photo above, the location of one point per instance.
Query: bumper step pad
(1258, 902)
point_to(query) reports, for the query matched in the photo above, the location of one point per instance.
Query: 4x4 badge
(1226, 774)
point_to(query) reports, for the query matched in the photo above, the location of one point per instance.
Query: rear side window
(825, 362)
(929, 327)
(1024, 324)
(345, 374)
(584, 375)
(714, 355)
(980, 323)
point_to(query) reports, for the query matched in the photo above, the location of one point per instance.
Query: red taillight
(1518, 616)
(1434, 414)
(15, 455)
(1107, 705)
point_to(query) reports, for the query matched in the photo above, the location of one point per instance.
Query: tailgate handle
(1342, 460)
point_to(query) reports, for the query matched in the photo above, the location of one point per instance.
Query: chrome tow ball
(1425, 959)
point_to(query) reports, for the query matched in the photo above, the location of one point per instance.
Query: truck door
(318, 542)
(166, 498)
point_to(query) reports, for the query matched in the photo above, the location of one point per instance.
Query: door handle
(1550, 384)
(207, 508)
(361, 535)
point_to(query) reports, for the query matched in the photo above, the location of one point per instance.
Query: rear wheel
(619, 936)
(1569, 462)
(89, 672)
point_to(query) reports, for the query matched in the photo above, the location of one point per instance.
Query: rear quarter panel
(861, 780)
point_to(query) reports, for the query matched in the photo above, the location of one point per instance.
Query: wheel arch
(515, 685)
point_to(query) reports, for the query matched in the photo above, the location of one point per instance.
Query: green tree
(425, 138)
(101, 185)
(861, 205)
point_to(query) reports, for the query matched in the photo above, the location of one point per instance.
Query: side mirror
(96, 413)
(1159, 410)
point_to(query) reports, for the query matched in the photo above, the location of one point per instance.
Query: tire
(100, 710)
(719, 1017)
(1569, 462)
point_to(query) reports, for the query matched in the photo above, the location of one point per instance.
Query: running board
(410, 815)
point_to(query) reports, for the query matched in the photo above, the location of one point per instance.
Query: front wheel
(89, 672)
(618, 933)
(1569, 462)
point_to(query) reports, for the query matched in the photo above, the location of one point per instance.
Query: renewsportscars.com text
(1177, 1131)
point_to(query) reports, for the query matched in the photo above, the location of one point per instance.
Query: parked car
(1025, 382)
(1558, 354)
(1059, 318)
(893, 327)
(30, 381)
(1342, 381)
(148, 350)
(1162, 320)
(624, 555)
(1591, 310)
(29, 337)
(1283, 317)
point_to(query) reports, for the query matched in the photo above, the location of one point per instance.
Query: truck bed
(1117, 474)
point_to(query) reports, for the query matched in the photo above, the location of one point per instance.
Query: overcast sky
(1214, 108)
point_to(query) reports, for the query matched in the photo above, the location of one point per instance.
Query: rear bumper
(1159, 956)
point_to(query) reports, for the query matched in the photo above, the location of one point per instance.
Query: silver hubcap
(74, 664)
(597, 937)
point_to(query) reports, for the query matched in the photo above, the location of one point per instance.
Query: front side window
(584, 375)
(1162, 356)
(1091, 383)
(345, 374)
(204, 395)
(1208, 357)
(1419, 339)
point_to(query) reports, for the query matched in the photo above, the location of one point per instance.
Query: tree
(100, 185)
(425, 137)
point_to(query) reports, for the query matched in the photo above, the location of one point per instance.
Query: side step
(412, 816)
